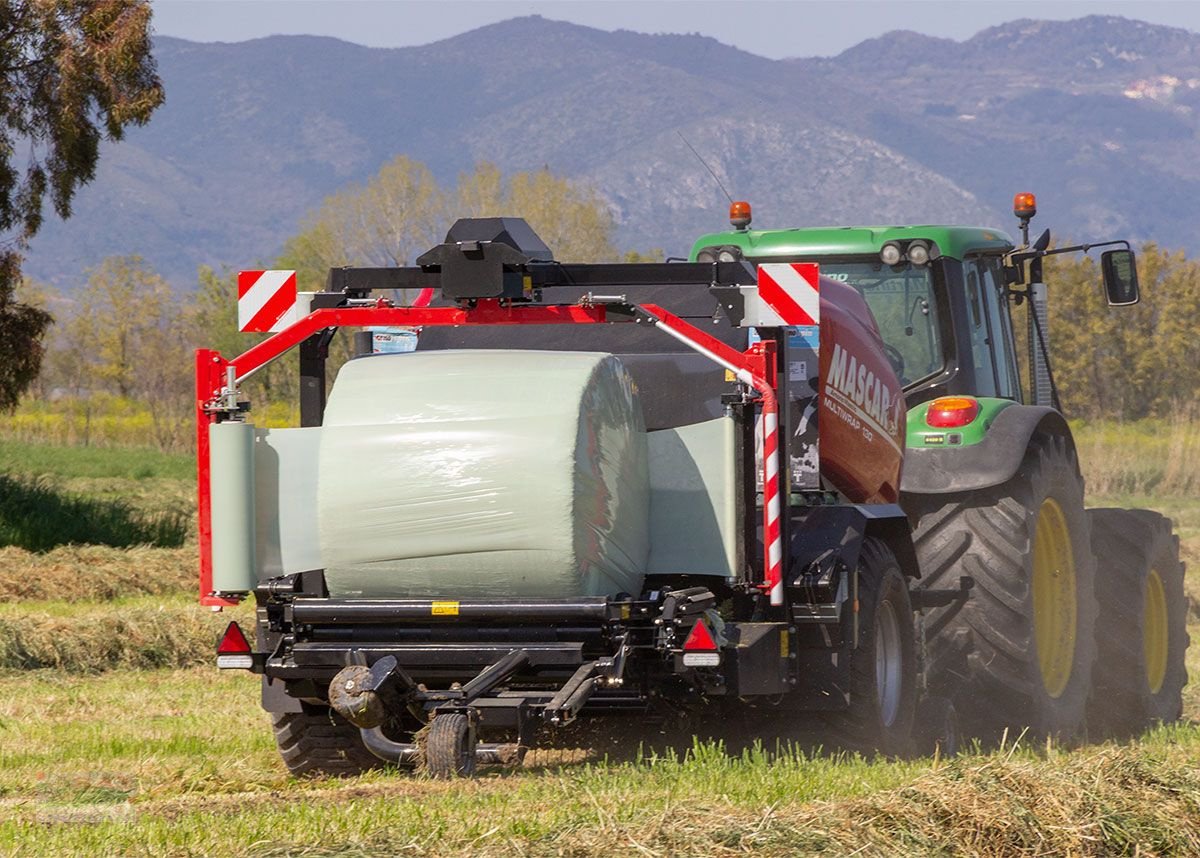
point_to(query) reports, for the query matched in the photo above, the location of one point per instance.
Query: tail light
(951, 412)
(700, 649)
(234, 650)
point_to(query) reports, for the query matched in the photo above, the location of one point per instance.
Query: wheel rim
(1154, 638)
(888, 662)
(1054, 595)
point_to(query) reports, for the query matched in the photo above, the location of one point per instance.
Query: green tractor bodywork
(948, 327)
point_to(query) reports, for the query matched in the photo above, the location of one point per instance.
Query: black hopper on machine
(486, 258)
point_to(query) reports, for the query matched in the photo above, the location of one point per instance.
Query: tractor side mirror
(1120, 277)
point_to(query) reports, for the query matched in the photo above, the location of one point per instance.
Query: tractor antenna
(705, 164)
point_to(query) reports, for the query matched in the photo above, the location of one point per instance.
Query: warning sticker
(444, 609)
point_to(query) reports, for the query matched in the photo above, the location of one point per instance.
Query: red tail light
(699, 648)
(950, 412)
(700, 639)
(233, 651)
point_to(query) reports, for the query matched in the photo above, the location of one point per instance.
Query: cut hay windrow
(74, 573)
(120, 636)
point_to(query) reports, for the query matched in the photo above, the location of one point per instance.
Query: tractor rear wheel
(1140, 672)
(1018, 652)
(318, 741)
(883, 668)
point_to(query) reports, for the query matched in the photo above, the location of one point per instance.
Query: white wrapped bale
(477, 473)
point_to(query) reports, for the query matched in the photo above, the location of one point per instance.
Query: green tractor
(1038, 614)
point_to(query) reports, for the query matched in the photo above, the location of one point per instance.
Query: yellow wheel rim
(1154, 638)
(1054, 605)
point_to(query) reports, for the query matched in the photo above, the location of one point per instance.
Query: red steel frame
(755, 367)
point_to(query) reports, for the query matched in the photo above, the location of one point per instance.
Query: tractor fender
(994, 460)
(843, 527)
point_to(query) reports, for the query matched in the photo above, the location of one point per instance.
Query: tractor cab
(941, 295)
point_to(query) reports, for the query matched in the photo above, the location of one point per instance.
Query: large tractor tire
(1018, 652)
(883, 680)
(1142, 639)
(318, 742)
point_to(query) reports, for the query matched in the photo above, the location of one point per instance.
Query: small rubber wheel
(450, 746)
(937, 731)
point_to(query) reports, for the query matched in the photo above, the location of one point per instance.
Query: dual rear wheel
(1077, 620)
(1142, 636)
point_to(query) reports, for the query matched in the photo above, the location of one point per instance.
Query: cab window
(979, 329)
(1001, 364)
(902, 300)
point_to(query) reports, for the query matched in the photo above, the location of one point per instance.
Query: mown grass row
(132, 633)
(98, 573)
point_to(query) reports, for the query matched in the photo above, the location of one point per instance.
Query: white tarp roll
(231, 483)
(483, 473)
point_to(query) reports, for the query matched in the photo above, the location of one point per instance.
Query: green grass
(182, 763)
(94, 462)
(37, 516)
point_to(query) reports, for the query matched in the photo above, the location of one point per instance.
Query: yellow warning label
(729, 376)
(444, 609)
(783, 644)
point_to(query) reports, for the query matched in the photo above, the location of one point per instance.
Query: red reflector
(699, 638)
(233, 642)
(951, 411)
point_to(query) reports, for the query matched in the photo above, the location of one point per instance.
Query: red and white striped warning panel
(268, 301)
(788, 293)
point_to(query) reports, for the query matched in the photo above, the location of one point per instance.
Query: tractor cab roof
(956, 242)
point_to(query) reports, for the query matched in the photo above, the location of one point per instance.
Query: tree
(133, 336)
(72, 73)
(1125, 362)
(389, 221)
(401, 212)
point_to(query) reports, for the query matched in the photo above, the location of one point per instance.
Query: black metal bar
(457, 633)
(389, 750)
(438, 655)
(550, 274)
(312, 381)
(635, 274)
(385, 611)
(555, 711)
(494, 674)
(376, 279)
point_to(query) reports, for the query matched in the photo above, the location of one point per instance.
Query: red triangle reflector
(233, 642)
(699, 638)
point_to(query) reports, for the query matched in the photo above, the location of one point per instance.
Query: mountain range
(1098, 116)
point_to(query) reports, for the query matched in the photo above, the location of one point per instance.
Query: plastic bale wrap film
(478, 473)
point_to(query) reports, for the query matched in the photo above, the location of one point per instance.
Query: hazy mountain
(1098, 116)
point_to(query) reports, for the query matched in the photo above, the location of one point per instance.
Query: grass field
(118, 738)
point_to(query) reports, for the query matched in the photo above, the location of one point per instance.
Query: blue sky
(772, 28)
